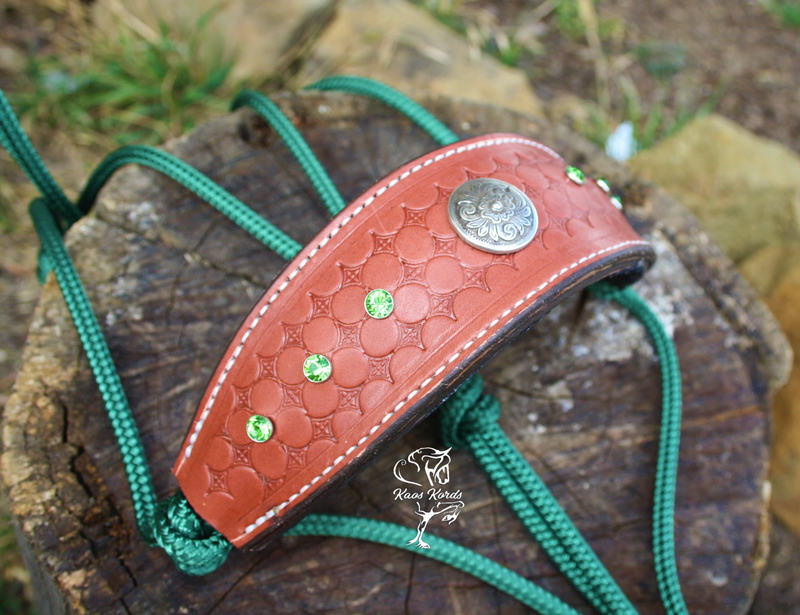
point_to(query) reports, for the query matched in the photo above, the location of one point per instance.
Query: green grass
(480, 28)
(594, 124)
(8, 217)
(569, 23)
(133, 89)
(13, 600)
(790, 13)
(568, 20)
(787, 12)
(658, 123)
(662, 59)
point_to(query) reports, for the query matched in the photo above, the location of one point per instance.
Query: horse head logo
(433, 462)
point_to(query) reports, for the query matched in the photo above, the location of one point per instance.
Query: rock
(264, 37)
(404, 46)
(744, 189)
(785, 455)
(784, 304)
(12, 59)
(779, 591)
(768, 266)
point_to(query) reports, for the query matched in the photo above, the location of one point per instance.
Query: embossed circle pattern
(421, 261)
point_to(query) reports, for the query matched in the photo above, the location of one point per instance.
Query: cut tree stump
(171, 279)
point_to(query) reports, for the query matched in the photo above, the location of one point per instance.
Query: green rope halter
(468, 418)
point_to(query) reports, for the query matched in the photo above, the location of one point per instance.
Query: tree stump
(171, 279)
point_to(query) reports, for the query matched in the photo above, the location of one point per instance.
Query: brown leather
(454, 305)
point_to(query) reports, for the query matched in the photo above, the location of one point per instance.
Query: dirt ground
(734, 45)
(732, 48)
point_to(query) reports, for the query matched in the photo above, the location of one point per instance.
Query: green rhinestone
(259, 428)
(379, 303)
(317, 368)
(576, 175)
(601, 181)
(617, 202)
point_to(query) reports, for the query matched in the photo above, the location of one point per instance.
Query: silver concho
(492, 215)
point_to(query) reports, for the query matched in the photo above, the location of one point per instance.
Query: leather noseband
(454, 306)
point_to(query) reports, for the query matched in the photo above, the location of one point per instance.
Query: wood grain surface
(171, 280)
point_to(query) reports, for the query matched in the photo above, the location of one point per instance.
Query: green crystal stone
(259, 428)
(379, 303)
(617, 202)
(576, 175)
(601, 181)
(317, 368)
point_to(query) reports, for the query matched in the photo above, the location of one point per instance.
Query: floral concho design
(493, 215)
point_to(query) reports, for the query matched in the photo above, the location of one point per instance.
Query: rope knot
(468, 411)
(193, 545)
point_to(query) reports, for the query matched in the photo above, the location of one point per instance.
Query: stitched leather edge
(263, 530)
(367, 202)
(519, 304)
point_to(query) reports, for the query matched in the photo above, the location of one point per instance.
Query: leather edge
(624, 261)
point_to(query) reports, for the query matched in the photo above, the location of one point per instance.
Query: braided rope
(14, 140)
(668, 447)
(392, 98)
(468, 418)
(189, 541)
(194, 180)
(441, 550)
(297, 145)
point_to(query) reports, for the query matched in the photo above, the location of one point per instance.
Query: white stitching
(324, 242)
(388, 415)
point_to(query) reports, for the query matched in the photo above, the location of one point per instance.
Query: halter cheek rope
(468, 418)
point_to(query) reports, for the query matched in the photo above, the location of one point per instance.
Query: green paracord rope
(319, 178)
(525, 493)
(469, 421)
(297, 145)
(191, 178)
(194, 546)
(392, 98)
(442, 550)
(668, 447)
(14, 140)
(198, 549)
